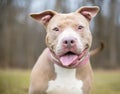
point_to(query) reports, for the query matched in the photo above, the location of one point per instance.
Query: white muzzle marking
(69, 32)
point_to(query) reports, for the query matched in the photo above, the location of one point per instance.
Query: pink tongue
(68, 59)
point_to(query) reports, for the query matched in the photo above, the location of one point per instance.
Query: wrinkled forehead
(71, 19)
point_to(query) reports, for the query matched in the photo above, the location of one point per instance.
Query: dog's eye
(80, 27)
(56, 29)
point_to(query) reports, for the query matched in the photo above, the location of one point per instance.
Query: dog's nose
(69, 42)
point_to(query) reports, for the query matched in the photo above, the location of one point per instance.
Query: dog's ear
(44, 17)
(88, 11)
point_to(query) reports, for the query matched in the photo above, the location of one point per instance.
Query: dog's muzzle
(70, 59)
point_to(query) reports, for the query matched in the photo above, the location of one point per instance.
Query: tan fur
(86, 75)
(43, 70)
(41, 74)
(72, 21)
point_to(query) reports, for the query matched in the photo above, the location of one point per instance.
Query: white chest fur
(65, 82)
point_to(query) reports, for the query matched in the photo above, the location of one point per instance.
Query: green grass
(106, 82)
(17, 82)
(14, 81)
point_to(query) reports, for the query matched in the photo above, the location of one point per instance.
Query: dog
(64, 66)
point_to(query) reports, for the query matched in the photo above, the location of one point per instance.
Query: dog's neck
(64, 73)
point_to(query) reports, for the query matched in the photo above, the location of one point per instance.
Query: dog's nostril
(66, 42)
(72, 41)
(69, 42)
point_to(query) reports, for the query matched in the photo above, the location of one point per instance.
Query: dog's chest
(65, 82)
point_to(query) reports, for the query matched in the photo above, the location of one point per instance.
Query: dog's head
(68, 35)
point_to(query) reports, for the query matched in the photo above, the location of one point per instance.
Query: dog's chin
(71, 59)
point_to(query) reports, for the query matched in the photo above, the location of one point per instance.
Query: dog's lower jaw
(81, 60)
(65, 82)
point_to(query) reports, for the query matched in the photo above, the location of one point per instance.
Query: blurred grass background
(22, 41)
(17, 82)
(14, 81)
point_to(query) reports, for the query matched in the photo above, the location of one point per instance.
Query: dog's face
(68, 35)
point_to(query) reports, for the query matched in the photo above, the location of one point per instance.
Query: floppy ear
(88, 11)
(43, 17)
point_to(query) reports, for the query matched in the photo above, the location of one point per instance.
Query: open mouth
(71, 58)
(68, 58)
